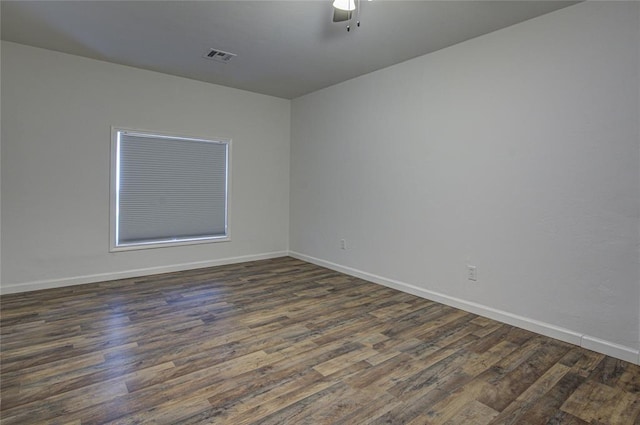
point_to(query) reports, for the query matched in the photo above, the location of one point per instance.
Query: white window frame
(114, 195)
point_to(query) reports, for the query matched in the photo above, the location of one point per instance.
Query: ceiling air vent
(219, 55)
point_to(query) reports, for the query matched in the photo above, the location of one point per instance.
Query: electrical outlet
(343, 244)
(472, 273)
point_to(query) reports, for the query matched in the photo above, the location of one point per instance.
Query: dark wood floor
(286, 342)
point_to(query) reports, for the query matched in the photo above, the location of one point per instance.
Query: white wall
(517, 152)
(57, 113)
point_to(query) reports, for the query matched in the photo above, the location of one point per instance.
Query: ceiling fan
(344, 10)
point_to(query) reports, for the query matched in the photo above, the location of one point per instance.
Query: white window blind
(170, 189)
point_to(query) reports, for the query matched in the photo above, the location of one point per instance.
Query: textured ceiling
(284, 48)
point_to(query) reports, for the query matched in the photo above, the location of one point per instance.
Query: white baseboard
(586, 341)
(610, 349)
(101, 277)
(591, 343)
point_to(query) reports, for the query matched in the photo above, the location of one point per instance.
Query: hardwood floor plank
(472, 413)
(282, 341)
(511, 385)
(563, 418)
(377, 406)
(286, 409)
(411, 408)
(461, 402)
(540, 410)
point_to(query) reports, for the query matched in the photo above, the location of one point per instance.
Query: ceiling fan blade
(341, 15)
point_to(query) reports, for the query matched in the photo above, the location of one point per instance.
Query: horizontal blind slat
(171, 188)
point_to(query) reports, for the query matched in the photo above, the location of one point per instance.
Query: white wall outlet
(472, 273)
(343, 244)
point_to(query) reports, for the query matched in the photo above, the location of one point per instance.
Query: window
(168, 190)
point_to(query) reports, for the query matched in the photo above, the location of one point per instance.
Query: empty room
(320, 212)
